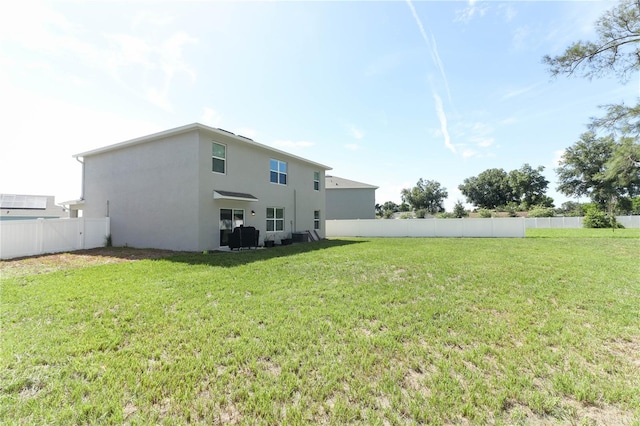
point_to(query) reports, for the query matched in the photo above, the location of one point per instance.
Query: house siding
(160, 193)
(351, 203)
(149, 191)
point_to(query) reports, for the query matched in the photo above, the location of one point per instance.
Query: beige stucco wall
(248, 172)
(160, 193)
(150, 192)
(351, 203)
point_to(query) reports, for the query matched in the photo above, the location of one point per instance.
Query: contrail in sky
(443, 123)
(433, 50)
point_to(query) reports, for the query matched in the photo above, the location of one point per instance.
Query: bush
(598, 219)
(446, 215)
(542, 212)
(485, 213)
(406, 215)
(421, 213)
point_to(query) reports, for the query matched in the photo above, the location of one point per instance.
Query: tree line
(603, 164)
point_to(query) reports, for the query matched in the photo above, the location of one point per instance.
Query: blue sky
(383, 92)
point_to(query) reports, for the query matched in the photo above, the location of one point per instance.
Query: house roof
(189, 128)
(335, 182)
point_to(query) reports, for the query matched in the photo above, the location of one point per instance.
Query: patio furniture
(244, 237)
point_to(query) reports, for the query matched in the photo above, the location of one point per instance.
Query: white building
(187, 188)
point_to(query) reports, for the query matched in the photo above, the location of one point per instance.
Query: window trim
(278, 172)
(316, 220)
(214, 157)
(274, 219)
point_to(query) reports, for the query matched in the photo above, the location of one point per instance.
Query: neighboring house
(21, 207)
(187, 189)
(348, 199)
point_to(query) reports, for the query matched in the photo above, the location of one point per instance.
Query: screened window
(275, 219)
(316, 181)
(316, 219)
(278, 172)
(219, 158)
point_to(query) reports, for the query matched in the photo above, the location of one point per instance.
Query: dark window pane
(274, 177)
(218, 165)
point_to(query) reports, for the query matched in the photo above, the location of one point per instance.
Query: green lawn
(352, 331)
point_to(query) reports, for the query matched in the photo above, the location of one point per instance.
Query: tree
(582, 169)
(427, 194)
(528, 187)
(488, 190)
(459, 210)
(623, 168)
(615, 51)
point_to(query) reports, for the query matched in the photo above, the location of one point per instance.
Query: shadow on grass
(242, 257)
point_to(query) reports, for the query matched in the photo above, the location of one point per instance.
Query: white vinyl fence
(33, 237)
(484, 228)
(575, 222)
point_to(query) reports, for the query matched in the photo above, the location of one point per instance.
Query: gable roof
(196, 127)
(335, 182)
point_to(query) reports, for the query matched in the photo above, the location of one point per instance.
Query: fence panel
(33, 237)
(503, 227)
(575, 222)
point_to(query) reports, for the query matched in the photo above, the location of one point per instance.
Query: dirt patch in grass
(46, 263)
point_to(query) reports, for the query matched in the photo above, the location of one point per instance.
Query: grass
(376, 331)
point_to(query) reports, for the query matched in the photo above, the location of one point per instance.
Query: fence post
(40, 235)
(81, 230)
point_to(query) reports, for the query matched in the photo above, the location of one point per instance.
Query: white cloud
(470, 12)
(355, 132)
(211, 117)
(513, 93)
(557, 157)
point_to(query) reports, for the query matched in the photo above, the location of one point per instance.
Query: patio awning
(230, 195)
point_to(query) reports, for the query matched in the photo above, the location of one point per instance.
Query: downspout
(295, 214)
(82, 183)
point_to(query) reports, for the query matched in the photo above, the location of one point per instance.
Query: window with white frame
(275, 219)
(278, 172)
(219, 158)
(316, 181)
(316, 219)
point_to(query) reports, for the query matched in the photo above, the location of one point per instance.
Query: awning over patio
(230, 195)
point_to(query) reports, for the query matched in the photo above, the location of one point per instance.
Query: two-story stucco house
(187, 188)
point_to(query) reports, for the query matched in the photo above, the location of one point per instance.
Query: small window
(316, 181)
(316, 219)
(278, 172)
(275, 219)
(219, 158)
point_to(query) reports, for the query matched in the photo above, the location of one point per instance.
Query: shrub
(459, 210)
(598, 219)
(421, 213)
(542, 212)
(446, 215)
(484, 213)
(406, 215)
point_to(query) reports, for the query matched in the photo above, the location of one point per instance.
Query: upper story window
(278, 172)
(219, 158)
(316, 181)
